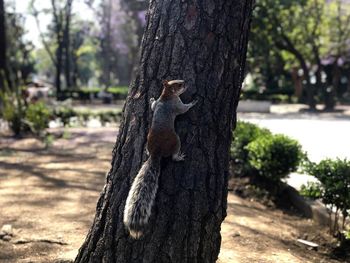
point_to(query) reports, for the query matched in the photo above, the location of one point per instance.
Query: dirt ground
(49, 197)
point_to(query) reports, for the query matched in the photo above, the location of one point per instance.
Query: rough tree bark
(204, 43)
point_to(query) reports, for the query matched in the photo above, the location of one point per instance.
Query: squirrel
(162, 142)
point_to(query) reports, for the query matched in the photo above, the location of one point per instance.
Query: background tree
(67, 43)
(293, 40)
(266, 63)
(287, 29)
(16, 61)
(106, 43)
(19, 50)
(83, 53)
(122, 25)
(204, 43)
(60, 31)
(137, 10)
(3, 63)
(336, 62)
(61, 16)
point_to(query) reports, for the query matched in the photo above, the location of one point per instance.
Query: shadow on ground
(49, 198)
(50, 194)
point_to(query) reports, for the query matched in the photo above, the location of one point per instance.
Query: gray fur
(141, 198)
(153, 103)
(175, 81)
(165, 112)
(143, 191)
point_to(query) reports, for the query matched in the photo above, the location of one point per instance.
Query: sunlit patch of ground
(253, 232)
(51, 194)
(49, 198)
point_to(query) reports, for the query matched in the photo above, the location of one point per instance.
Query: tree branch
(35, 13)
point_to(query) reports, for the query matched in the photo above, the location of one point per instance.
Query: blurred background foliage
(87, 50)
(301, 48)
(73, 51)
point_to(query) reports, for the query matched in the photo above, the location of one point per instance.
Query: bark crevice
(204, 43)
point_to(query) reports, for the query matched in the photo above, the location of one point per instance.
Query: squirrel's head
(173, 87)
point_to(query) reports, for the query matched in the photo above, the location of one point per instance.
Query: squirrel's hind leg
(178, 156)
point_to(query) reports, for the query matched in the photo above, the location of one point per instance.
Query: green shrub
(311, 190)
(279, 95)
(103, 118)
(274, 156)
(48, 140)
(38, 117)
(108, 116)
(15, 118)
(64, 114)
(114, 116)
(244, 134)
(334, 176)
(84, 117)
(66, 135)
(90, 90)
(347, 234)
(13, 111)
(119, 92)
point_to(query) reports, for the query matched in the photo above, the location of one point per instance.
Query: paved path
(321, 135)
(320, 138)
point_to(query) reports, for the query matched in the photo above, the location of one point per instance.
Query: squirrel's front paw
(179, 157)
(153, 103)
(194, 103)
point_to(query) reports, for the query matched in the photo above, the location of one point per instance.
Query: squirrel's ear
(165, 83)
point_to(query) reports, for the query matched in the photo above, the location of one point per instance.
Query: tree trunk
(205, 44)
(75, 73)
(106, 42)
(316, 51)
(310, 90)
(286, 44)
(3, 63)
(58, 21)
(59, 54)
(2, 36)
(66, 43)
(331, 91)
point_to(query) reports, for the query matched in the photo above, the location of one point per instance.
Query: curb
(313, 209)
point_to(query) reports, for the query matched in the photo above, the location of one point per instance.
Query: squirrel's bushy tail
(141, 197)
